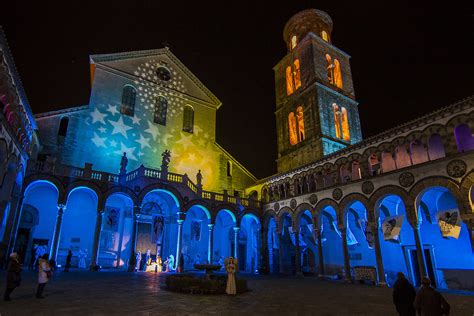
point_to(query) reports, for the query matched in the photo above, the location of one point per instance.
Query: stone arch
(207, 208)
(466, 187)
(228, 208)
(417, 190)
(89, 185)
(121, 189)
(349, 200)
(450, 128)
(321, 205)
(48, 178)
(250, 212)
(161, 187)
(300, 209)
(281, 213)
(267, 215)
(379, 194)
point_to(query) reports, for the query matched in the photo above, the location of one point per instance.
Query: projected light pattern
(111, 134)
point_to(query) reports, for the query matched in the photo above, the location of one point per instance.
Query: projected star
(136, 120)
(102, 129)
(144, 142)
(98, 141)
(128, 150)
(112, 109)
(197, 130)
(113, 143)
(97, 116)
(164, 139)
(153, 130)
(120, 127)
(185, 141)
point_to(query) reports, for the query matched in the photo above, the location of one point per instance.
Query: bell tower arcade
(316, 112)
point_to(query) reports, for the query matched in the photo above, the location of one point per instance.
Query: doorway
(414, 265)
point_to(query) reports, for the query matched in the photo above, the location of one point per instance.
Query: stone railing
(88, 173)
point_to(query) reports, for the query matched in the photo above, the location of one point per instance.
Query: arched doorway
(224, 234)
(249, 243)
(78, 226)
(157, 227)
(37, 221)
(195, 236)
(115, 236)
(398, 246)
(445, 238)
(331, 243)
(308, 246)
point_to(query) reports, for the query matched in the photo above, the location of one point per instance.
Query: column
(133, 239)
(297, 253)
(265, 252)
(468, 219)
(347, 265)
(121, 227)
(53, 254)
(280, 251)
(419, 251)
(317, 233)
(378, 254)
(179, 243)
(13, 222)
(95, 245)
(236, 242)
(209, 245)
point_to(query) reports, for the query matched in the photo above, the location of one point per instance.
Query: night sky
(406, 60)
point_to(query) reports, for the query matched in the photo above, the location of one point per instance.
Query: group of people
(14, 275)
(157, 266)
(427, 302)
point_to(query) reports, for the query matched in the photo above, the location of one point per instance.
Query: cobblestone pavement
(121, 293)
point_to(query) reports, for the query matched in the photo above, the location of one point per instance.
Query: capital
(236, 229)
(61, 207)
(180, 221)
(211, 226)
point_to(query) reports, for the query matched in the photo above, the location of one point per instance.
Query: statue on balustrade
(199, 178)
(123, 164)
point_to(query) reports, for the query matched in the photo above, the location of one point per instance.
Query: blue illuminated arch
(234, 219)
(252, 216)
(203, 208)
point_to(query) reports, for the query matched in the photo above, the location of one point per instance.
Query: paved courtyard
(121, 293)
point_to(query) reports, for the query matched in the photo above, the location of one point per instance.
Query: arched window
(346, 135)
(129, 95)
(374, 165)
(300, 118)
(289, 81)
(293, 41)
(337, 74)
(388, 163)
(418, 152)
(161, 108)
(229, 168)
(297, 74)
(402, 158)
(330, 68)
(63, 126)
(356, 173)
(292, 128)
(325, 36)
(464, 138)
(188, 119)
(337, 119)
(436, 147)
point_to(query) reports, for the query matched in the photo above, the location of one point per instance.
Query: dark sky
(407, 58)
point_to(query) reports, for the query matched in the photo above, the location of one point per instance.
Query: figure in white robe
(231, 266)
(138, 258)
(82, 259)
(169, 263)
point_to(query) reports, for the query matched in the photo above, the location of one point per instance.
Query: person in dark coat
(13, 275)
(403, 296)
(429, 302)
(68, 261)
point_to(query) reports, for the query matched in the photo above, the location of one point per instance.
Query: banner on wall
(449, 223)
(157, 227)
(369, 234)
(112, 216)
(391, 227)
(351, 240)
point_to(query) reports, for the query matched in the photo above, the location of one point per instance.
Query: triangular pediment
(142, 65)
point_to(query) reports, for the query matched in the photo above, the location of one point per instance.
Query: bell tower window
(334, 71)
(346, 135)
(293, 77)
(293, 42)
(292, 128)
(296, 126)
(341, 122)
(324, 36)
(300, 118)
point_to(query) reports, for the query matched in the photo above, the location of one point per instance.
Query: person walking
(403, 296)
(44, 273)
(68, 261)
(13, 275)
(429, 302)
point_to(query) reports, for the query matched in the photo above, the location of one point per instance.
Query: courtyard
(121, 293)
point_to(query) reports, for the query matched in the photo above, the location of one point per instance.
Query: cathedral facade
(138, 170)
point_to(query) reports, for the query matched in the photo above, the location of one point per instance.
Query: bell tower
(316, 111)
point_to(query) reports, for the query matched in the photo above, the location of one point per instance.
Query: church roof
(154, 52)
(62, 111)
